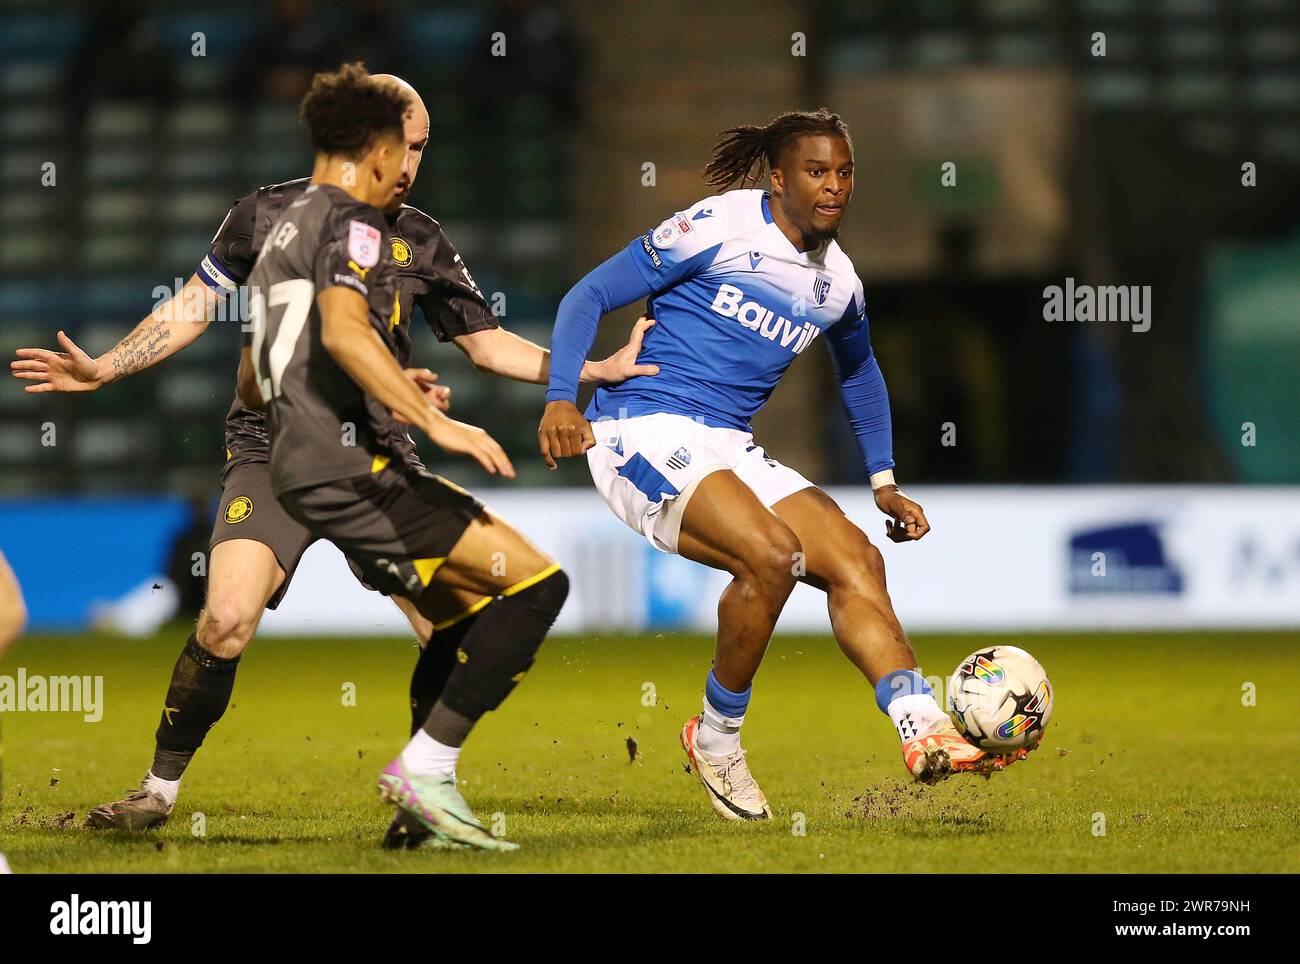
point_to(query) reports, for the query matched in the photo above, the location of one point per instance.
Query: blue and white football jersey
(734, 303)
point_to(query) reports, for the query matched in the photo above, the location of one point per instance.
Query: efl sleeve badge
(363, 244)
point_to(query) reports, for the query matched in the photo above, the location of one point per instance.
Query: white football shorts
(647, 467)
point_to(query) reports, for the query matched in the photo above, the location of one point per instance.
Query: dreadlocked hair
(744, 150)
(347, 110)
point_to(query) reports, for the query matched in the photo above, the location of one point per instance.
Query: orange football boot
(937, 754)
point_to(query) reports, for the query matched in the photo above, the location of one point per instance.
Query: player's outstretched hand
(621, 365)
(469, 440)
(70, 370)
(907, 522)
(439, 396)
(564, 432)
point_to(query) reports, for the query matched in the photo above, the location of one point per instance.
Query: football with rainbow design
(1001, 699)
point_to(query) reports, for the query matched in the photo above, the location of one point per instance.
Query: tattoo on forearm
(141, 348)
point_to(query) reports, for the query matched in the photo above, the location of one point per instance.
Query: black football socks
(196, 699)
(495, 654)
(434, 667)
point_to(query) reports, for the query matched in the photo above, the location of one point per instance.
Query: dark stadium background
(535, 167)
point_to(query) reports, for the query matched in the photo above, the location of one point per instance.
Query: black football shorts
(248, 510)
(396, 526)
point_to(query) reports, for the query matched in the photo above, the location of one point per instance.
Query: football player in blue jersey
(739, 284)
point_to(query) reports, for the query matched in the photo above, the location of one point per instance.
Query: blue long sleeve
(615, 283)
(866, 399)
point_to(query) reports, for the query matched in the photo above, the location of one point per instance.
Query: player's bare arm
(13, 614)
(347, 335)
(504, 353)
(170, 327)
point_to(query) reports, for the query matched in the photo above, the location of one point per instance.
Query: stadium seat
(32, 120)
(277, 160)
(1281, 140)
(30, 250)
(200, 119)
(119, 121)
(1025, 48)
(1193, 45)
(217, 163)
(1198, 91)
(109, 208)
(1117, 90)
(852, 55)
(203, 76)
(1273, 90)
(129, 162)
(939, 50)
(533, 240)
(25, 78)
(106, 252)
(190, 389)
(24, 166)
(108, 440)
(20, 439)
(272, 120)
(204, 208)
(1272, 46)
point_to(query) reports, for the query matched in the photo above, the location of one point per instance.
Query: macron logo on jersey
(730, 303)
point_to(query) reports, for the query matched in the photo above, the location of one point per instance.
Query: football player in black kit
(256, 545)
(323, 358)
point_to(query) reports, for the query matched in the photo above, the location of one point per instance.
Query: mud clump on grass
(962, 804)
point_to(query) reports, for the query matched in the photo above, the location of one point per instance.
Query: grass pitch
(1149, 731)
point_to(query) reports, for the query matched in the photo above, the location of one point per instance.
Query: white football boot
(731, 787)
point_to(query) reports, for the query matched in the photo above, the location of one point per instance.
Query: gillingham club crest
(821, 288)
